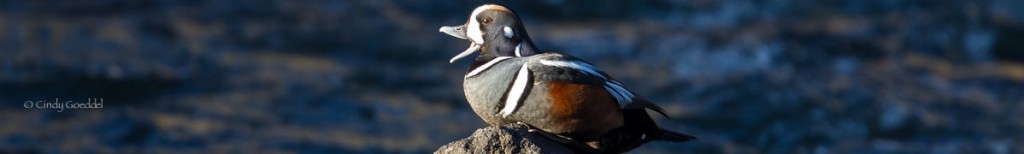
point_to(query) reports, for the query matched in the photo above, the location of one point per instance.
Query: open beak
(460, 32)
(473, 47)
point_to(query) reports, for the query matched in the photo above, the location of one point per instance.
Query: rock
(504, 139)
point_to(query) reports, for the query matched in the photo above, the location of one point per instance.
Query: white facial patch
(508, 32)
(473, 27)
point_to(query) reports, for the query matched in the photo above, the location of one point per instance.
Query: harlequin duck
(513, 82)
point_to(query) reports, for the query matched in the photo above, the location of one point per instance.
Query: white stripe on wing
(623, 96)
(578, 65)
(618, 97)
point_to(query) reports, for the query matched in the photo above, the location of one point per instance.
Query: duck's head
(494, 30)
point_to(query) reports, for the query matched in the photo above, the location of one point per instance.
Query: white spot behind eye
(508, 32)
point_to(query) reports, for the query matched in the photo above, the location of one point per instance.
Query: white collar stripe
(515, 93)
(486, 66)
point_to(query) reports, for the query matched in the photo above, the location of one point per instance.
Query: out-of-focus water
(257, 76)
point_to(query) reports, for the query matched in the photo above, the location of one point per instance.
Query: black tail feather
(667, 135)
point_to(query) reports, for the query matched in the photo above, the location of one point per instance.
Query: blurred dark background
(370, 76)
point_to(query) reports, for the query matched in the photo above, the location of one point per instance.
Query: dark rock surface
(503, 139)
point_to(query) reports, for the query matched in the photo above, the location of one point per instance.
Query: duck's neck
(490, 52)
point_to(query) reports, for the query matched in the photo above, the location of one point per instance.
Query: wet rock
(504, 139)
